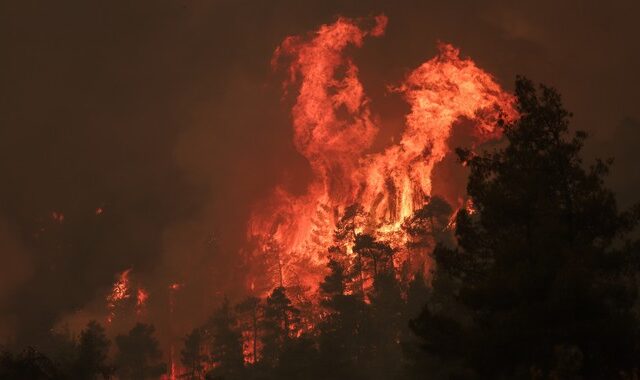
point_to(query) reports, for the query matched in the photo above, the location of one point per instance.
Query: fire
(119, 292)
(334, 128)
(141, 300)
(124, 294)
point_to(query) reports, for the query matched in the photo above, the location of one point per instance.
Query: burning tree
(334, 130)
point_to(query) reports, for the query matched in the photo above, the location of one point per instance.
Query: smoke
(166, 115)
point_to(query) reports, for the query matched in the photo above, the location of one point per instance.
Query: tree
(538, 286)
(371, 256)
(386, 316)
(279, 320)
(139, 356)
(28, 365)
(340, 327)
(345, 231)
(251, 307)
(61, 347)
(192, 355)
(92, 353)
(429, 223)
(428, 226)
(226, 348)
(377, 254)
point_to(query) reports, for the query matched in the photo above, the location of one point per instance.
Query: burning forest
(368, 193)
(439, 223)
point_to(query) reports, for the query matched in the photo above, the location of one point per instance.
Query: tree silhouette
(28, 365)
(340, 327)
(428, 222)
(192, 355)
(93, 350)
(61, 347)
(386, 318)
(226, 347)
(139, 356)
(279, 319)
(536, 284)
(375, 255)
(250, 307)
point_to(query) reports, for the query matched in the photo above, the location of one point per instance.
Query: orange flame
(123, 294)
(119, 292)
(333, 128)
(141, 300)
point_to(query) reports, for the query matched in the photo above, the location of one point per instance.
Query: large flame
(333, 128)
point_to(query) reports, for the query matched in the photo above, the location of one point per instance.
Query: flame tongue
(333, 128)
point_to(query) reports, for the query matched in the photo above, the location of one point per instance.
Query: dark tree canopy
(139, 355)
(226, 345)
(193, 354)
(539, 285)
(93, 351)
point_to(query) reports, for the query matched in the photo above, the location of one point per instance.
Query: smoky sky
(167, 116)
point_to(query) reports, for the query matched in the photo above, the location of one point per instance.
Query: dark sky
(166, 115)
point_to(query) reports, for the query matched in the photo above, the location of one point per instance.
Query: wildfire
(141, 300)
(333, 128)
(119, 292)
(122, 292)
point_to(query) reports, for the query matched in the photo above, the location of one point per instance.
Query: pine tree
(536, 284)
(139, 356)
(226, 347)
(193, 355)
(280, 318)
(339, 327)
(93, 350)
(386, 318)
(250, 307)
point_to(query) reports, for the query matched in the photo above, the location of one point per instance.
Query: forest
(537, 278)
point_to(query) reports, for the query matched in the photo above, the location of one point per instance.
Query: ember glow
(124, 294)
(119, 292)
(57, 216)
(141, 300)
(334, 129)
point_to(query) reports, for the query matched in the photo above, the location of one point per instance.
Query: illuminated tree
(251, 307)
(376, 256)
(428, 223)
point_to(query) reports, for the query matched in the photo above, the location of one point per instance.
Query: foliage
(536, 285)
(226, 346)
(139, 355)
(539, 282)
(93, 350)
(193, 354)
